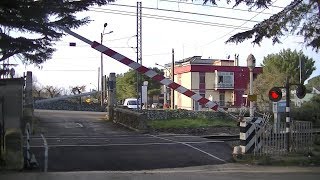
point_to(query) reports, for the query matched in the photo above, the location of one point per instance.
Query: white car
(131, 103)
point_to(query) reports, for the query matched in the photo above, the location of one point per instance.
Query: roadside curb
(226, 168)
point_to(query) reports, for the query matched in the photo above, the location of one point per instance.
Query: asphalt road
(83, 141)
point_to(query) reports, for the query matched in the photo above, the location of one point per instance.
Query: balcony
(224, 86)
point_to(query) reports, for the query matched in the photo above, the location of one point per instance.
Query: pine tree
(300, 17)
(37, 22)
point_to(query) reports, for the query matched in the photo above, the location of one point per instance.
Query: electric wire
(181, 2)
(188, 12)
(234, 29)
(167, 18)
(219, 7)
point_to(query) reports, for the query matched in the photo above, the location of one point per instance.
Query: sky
(77, 66)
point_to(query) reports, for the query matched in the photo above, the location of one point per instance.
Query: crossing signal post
(275, 95)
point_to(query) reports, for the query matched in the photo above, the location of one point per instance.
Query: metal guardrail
(2, 125)
(45, 169)
(28, 152)
(30, 159)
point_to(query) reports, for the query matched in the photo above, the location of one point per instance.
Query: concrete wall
(181, 100)
(12, 92)
(210, 80)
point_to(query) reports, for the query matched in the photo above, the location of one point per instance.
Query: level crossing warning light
(301, 91)
(275, 94)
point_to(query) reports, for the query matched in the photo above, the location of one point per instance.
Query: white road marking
(80, 125)
(90, 137)
(188, 144)
(125, 144)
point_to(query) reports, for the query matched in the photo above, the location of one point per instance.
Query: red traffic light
(275, 94)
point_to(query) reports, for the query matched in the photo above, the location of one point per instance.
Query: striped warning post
(30, 158)
(146, 71)
(28, 152)
(250, 136)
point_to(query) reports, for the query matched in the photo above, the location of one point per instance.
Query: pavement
(84, 141)
(208, 172)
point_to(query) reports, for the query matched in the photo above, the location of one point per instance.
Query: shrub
(309, 111)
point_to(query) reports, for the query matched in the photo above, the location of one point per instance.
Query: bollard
(45, 153)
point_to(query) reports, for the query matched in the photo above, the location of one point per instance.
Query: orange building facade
(223, 81)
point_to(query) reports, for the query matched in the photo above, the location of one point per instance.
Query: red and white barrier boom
(148, 72)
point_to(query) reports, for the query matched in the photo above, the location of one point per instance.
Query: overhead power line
(186, 12)
(233, 29)
(66, 45)
(122, 38)
(168, 18)
(181, 2)
(159, 54)
(70, 70)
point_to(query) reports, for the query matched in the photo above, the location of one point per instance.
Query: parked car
(156, 105)
(131, 103)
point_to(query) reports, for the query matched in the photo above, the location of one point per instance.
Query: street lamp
(101, 65)
(251, 63)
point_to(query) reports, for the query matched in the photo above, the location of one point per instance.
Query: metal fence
(301, 136)
(274, 141)
(2, 125)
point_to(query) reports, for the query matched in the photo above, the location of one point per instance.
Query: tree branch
(272, 27)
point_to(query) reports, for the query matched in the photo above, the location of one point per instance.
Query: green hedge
(309, 111)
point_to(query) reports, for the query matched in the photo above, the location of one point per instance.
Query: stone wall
(131, 119)
(69, 105)
(152, 114)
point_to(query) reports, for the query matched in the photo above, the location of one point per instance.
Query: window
(225, 80)
(222, 99)
(132, 102)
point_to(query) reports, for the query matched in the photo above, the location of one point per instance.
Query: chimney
(236, 59)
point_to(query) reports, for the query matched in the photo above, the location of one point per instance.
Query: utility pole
(101, 70)
(172, 77)
(98, 78)
(288, 114)
(139, 47)
(300, 67)
(102, 76)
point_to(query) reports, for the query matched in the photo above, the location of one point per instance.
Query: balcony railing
(224, 86)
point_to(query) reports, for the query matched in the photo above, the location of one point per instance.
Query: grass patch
(190, 123)
(291, 159)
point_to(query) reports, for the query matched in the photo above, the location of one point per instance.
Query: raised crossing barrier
(148, 72)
